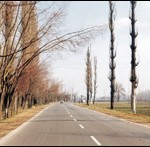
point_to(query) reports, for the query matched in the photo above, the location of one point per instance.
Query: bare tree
(95, 78)
(31, 32)
(112, 64)
(91, 79)
(120, 91)
(30, 29)
(7, 63)
(88, 75)
(74, 95)
(133, 78)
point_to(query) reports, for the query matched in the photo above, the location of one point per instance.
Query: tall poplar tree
(112, 64)
(133, 78)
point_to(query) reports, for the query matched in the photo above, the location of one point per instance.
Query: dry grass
(123, 110)
(12, 123)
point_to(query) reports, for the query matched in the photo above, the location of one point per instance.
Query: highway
(69, 125)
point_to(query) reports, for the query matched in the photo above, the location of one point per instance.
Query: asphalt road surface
(69, 125)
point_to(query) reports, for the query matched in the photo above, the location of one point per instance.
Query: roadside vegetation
(12, 123)
(123, 110)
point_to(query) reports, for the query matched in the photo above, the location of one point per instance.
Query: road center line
(67, 110)
(81, 126)
(95, 140)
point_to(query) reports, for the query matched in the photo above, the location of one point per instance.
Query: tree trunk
(6, 113)
(90, 97)
(1, 111)
(7, 109)
(87, 98)
(118, 99)
(112, 93)
(15, 104)
(12, 107)
(94, 99)
(133, 100)
(18, 102)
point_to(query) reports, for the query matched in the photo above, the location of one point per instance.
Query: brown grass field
(123, 110)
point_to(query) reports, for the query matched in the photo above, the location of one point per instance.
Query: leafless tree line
(90, 81)
(28, 29)
(133, 33)
(116, 89)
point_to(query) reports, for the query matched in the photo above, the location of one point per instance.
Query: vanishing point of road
(69, 125)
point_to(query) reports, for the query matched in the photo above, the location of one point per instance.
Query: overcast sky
(71, 69)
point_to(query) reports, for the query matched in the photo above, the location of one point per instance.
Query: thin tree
(133, 78)
(8, 19)
(30, 28)
(112, 64)
(120, 91)
(91, 79)
(88, 74)
(95, 79)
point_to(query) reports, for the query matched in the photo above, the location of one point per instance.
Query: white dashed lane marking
(93, 138)
(96, 141)
(81, 126)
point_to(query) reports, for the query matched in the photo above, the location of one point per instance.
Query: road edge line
(11, 133)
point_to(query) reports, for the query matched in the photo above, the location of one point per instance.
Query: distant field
(142, 107)
(123, 110)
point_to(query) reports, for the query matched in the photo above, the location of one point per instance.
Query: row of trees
(27, 30)
(133, 33)
(91, 82)
(116, 89)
